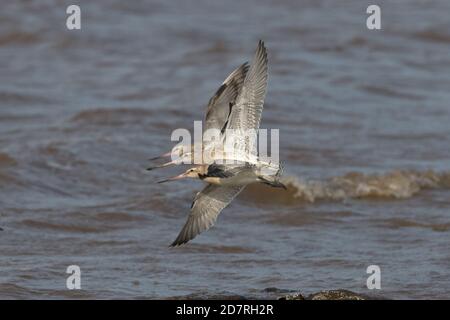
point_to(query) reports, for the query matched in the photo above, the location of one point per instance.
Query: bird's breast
(214, 180)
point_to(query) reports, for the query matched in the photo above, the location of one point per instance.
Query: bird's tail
(271, 181)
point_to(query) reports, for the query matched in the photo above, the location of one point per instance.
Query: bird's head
(193, 172)
(179, 150)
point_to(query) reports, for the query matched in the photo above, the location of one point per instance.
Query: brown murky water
(364, 121)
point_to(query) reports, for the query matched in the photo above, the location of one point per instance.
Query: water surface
(364, 124)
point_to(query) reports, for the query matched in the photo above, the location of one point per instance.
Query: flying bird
(235, 107)
(217, 114)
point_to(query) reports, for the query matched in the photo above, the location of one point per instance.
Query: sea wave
(6, 160)
(398, 184)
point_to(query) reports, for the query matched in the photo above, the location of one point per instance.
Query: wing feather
(205, 209)
(219, 106)
(249, 103)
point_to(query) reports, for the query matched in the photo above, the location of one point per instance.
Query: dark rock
(295, 296)
(326, 295)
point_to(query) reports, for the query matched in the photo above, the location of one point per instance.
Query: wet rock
(327, 295)
(273, 293)
(278, 294)
(336, 295)
(295, 296)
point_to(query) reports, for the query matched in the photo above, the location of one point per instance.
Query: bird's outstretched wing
(220, 104)
(204, 211)
(246, 114)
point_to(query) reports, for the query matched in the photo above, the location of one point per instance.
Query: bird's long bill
(171, 163)
(164, 155)
(181, 176)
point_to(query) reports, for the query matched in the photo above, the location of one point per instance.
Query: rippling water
(364, 124)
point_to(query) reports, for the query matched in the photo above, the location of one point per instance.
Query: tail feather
(273, 183)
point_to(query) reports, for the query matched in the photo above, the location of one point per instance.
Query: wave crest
(399, 184)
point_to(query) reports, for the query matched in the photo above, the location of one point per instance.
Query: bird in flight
(235, 108)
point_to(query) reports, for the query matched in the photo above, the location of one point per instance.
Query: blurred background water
(364, 131)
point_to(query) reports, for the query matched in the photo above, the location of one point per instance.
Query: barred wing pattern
(249, 104)
(205, 209)
(220, 104)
